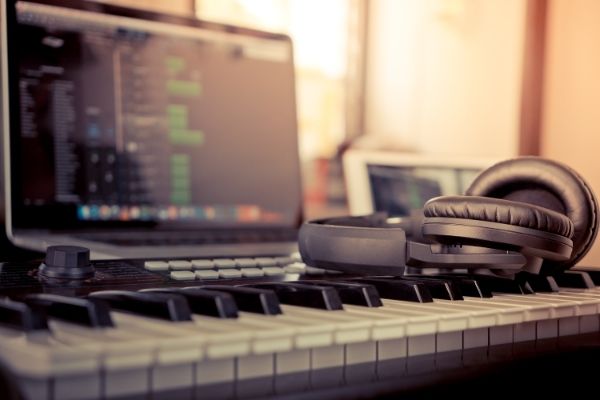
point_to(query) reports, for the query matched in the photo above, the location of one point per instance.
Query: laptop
(400, 183)
(142, 135)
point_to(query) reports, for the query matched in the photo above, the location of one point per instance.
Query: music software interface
(398, 190)
(125, 119)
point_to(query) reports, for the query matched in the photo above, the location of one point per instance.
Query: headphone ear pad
(548, 184)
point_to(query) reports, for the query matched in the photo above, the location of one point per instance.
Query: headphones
(524, 214)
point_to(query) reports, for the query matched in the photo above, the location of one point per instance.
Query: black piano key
(359, 294)
(469, 286)
(539, 283)
(594, 275)
(438, 287)
(20, 316)
(574, 279)
(172, 307)
(396, 289)
(298, 294)
(504, 285)
(92, 313)
(204, 302)
(260, 301)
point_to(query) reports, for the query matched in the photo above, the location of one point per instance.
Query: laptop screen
(122, 117)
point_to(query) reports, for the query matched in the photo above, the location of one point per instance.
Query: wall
(444, 76)
(571, 110)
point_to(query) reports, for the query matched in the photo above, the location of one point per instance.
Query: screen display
(398, 190)
(159, 120)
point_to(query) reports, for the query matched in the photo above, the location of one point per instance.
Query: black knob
(67, 262)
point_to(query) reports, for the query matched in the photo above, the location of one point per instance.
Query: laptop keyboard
(232, 268)
(194, 238)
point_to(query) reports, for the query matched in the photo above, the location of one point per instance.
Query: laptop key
(245, 262)
(273, 271)
(156, 266)
(229, 273)
(265, 262)
(182, 275)
(252, 272)
(206, 274)
(224, 263)
(203, 264)
(179, 265)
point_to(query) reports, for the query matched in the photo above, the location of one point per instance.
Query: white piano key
(77, 387)
(290, 362)
(547, 329)
(391, 349)
(308, 332)
(449, 319)
(589, 323)
(524, 332)
(584, 305)
(327, 357)
(215, 371)
(348, 328)
(266, 334)
(568, 326)
(449, 341)
(421, 345)
(559, 308)
(34, 388)
(531, 311)
(126, 382)
(172, 377)
(255, 366)
(501, 335)
(474, 338)
(357, 353)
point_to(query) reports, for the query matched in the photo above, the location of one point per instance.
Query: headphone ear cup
(500, 224)
(549, 184)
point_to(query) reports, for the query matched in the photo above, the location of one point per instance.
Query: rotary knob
(67, 262)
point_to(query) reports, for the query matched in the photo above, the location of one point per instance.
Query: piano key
(156, 266)
(205, 302)
(469, 286)
(359, 294)
(539, 283)
(575, 279)
(438, 287)
(156, 305)
(504, 285)
(88, 312)
(399, 290)
(180, 265)
(182, 275)
(594, 274)
(20, 316)
(292, 371)
(313, 296)
(207, 274)
(250, 299)
(203, 264)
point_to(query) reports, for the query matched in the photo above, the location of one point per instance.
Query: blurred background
(494, 78)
